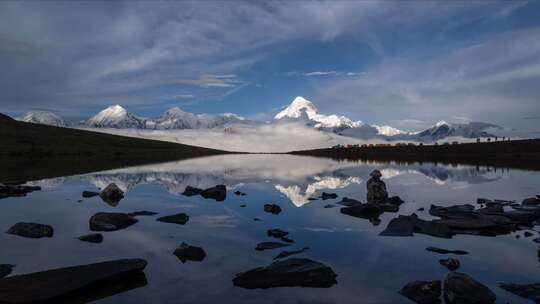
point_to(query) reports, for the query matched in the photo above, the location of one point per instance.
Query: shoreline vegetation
(518, 154)
(32, 151)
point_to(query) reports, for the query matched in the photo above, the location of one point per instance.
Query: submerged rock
(186, 252)
(423, 292)
(92, 238)
(272, 208)
(88, 194)
(446, 251)
(349, 202)
(111, 221)
(277, 233)
(328, 206)
(394, 200)
(366, 211)
(407, 225)
(180, 218)
(239, 193)
(286, 240)
(270, 245)
(112, 194)
(528, 291)
(218, 193)
(143, 213)
(450, 263)
(31, 230)
(376, 188)
(459, 288)
(531, 201)
(326, 196)
(5, 269)
(285, 253)
(191, 191)
(16, 190)
(53, 286)
(293, 272)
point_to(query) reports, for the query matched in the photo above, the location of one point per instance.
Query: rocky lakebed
(273, 229)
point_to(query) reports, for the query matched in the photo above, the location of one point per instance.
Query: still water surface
(370, 268)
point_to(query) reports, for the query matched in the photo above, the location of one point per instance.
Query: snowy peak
(297, 107)
(301, 108)
(115, 116)
(43, 117)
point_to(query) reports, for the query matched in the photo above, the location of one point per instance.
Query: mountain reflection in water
(368, 266)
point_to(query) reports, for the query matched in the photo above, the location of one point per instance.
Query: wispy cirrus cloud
(324, 73)
(213, 81)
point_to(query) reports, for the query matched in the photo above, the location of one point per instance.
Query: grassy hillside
(30, 151)
(522, 154)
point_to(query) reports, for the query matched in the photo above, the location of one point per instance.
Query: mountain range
(300, 110)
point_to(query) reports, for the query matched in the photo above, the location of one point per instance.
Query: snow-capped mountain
(175, 118)
(119, 118)
(115, 117)
(442, 130)
(301, 108)
(43, 117)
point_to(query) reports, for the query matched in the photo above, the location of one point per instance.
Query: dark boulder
(54, 286)
(531, 201)
(446, 251)
(459, 288)
(326, 196)
(272, 208)
(450, 263)
(285, 253)
(31, 230)
(186, 252)
(88, 194)
(528, 291)
(180, 218)
(16, 190)
(112, 195)
(293, 272)
(243, 206)
(277, 233)
(143, 213)
(218, 193)
(366, 211)
(423, 292)
(5, 269)
(286, 239)
(453, 212)
(191, 191)
(407, 225)
(111, 221)
(527, 234)
(92, 238)
(328, 206)
(239, 193)
(270, 245)
(376, 188)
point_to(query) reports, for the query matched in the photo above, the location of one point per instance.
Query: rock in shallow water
(285, 253)
(272, 208)
(51, 285)
(277, 233)
(446, 251)
(180, 218)
(326, 196)
(423, 292)
(16, 190)
(88, 194)
(143, 213)
(218, 193)
(292, 272)
(112, 195)
(450, 263)
(528, 291)
(186, 252)
(376, 188)
(459, 288)
(92, 238)
(111, 221)
(31, 230)
(5, 269)
(270, 245)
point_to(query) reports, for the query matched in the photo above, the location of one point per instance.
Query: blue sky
(407, 63)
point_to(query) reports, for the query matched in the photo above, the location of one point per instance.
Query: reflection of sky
(369, 267)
